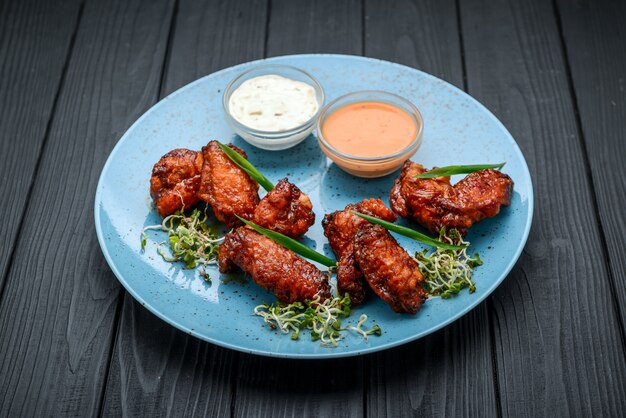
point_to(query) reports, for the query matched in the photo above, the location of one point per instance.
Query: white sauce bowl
(273, 140)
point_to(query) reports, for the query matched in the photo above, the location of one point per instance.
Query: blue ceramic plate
(457, 130)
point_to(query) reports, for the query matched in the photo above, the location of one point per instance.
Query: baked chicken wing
(175, 181)
(340, 228)
(226, 187)
(435, 203)
(285, 209)
(391, 273)
(272, 266)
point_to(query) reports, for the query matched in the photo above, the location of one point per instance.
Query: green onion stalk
(457, 169)
(246, 166)
(410, 233)
(291, 244)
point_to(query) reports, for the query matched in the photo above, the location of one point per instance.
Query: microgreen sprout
(446, 271)
(376, 330)
(190, 239)
(322, 318)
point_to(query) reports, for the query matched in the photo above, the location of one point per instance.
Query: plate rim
(330, 354)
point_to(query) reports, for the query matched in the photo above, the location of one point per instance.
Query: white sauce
(273, 103)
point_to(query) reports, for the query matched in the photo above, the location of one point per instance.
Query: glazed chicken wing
(340, 228)
(226, 187)
(391, 273)
(175, 181)
(285, 209)
(272, 266)
(435, 203)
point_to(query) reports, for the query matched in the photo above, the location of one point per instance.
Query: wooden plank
(558, 346)
(31, 70)
(59, 306)
(157, 370)
(420, 34)
(213, 35)
(276, 387)
(594, 35)
(449, 373)
(268, 387)
(299, 27)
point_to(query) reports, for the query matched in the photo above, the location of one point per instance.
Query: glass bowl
(273, 140)
(370, 167)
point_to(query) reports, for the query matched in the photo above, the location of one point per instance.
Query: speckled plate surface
(457, 130)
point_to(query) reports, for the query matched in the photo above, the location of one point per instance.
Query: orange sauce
(369, 129)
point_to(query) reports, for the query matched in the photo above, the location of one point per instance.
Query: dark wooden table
(75, 74)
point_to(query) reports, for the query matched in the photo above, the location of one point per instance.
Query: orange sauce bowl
(370, 133)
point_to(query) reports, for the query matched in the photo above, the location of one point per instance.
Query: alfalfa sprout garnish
(447, 271)
(322, 318)
(190, 238)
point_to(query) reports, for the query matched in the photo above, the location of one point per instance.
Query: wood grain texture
(35, 38)
(58, 309)
(273, 388)
(594, 35)
(157, 370)
(420, 34)
(558, 345)
(449, 373)
(446, 374)
(286, 388)
(555, 323)
(160, 371)
(211, 35)
(321, 26)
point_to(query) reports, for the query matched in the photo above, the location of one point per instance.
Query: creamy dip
(369, 129)
(273, 103)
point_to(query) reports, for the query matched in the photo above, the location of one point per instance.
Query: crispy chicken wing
(285, 209)
(389, 270)
(435, 203)
(226, 187)
(175, 180)
(272, 266)
(340, 228)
